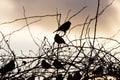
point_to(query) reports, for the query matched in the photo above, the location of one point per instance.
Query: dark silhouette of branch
(27, 24)
(92, 19)
(31, 17)
(58, 17)
(89, 59)
(67, 15)
(96, 21)
(77, 13)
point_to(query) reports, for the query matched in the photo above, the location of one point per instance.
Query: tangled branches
(86, 58)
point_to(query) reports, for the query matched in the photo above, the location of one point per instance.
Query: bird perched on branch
(24, 62)
(59, 77)
(98, 71)
(58, 39)
(8, 67)
(64, 27)
(57, 64)
(31, 77)
(77, 76)
(91, 61)
(86, 78)
(45, 65)
(69, 77)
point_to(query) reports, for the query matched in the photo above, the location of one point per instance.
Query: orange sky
(12, 9)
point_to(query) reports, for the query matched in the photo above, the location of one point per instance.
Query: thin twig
(29, 28)
(30, 17)
(96, 21)
(58, 17)
(77, 13)
(92, 19)
(83, 29)
(67, 15)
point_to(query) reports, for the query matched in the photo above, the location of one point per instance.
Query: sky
(10, 10)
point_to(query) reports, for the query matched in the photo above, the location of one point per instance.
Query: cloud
(6, 6)
(12, 9)
(42, 7)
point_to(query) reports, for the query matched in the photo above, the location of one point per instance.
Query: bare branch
(29, 28)
(77, 13)
(96, 21)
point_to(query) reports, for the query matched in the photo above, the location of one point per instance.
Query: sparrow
(57, 64)
(64, 27)
(59, 77)
(98, 71)
(45, 65)
(8, 67)
(31, 78)
(58, 39)
(77, 76)
(69, 77)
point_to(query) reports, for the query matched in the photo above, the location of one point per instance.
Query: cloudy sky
(10, 10)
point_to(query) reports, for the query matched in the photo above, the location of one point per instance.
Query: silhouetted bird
(110, 66)
(57, 64)
(45, 65)
(58, 39)
(8, 67)
(59, 77)
(24, 62)
(69, 77)
(48, 78)
(31, 78)
(98, 71)
(86, 78)
(91, 60)
(64, 27)
(77, 76)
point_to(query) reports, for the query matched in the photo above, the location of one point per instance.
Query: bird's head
(43, 61)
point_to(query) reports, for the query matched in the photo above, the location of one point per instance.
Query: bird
(98, 71)
(86, 78)
(45, 65)
(31, 77)
(77, 76)
(69, 77)
(59, 77)
(91, 60)
(64, 27)
(48, 78)
(8, 67)
(24, 62)
(58, 39)
(57, 64)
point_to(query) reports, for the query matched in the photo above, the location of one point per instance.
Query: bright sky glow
(12, 9)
